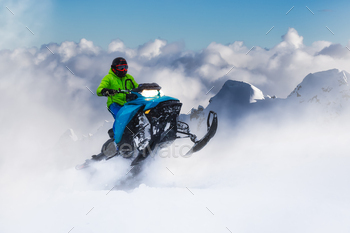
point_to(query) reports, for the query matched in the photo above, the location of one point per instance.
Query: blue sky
(196, 23)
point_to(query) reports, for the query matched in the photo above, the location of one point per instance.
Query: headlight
(151, 93)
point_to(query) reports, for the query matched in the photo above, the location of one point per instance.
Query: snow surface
(292, 180)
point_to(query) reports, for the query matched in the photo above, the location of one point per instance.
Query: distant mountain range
(324, 95)
(328, 90)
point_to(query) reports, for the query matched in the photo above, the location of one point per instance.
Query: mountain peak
(235, 96)
(237, 92)
(329, 88)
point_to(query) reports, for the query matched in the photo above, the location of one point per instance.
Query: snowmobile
(149, 121)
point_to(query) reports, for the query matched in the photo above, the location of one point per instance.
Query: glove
(108, 92)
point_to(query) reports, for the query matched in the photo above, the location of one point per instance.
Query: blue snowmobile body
(147, 122)
(131, 108)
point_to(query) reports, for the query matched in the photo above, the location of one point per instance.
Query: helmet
(119, 67)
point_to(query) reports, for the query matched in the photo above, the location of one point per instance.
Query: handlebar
(121, 92)
(124, 91)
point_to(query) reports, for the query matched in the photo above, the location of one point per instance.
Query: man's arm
(104, 84)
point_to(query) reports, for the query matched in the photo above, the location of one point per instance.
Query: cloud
(336, 51)
(69, 49)
(292, 38)
(151, 49)
(326, 10)
(118, 46)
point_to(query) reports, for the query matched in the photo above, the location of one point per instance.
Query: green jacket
(112, 81)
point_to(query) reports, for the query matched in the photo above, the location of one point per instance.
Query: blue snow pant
(114, 109)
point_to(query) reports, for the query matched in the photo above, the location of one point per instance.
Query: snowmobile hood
(149, 102)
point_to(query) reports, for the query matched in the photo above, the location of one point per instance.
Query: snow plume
(276, 171)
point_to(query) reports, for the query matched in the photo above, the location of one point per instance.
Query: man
(116, 79)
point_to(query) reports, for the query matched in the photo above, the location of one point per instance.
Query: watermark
(190, 191)
(209, 90)
(330, 30)
(170, 171)
(89, 211)
(10, 10)
(49, 50)
(175, 151)
(90, 90)
(229, 70)
(269, 30)
(249, 50)
(129, 170)
(70, 70)
(30, 30)
(190, 110)
(310, 10)
(127, 150)
(209, 210)
(110, 190)
(289, 10)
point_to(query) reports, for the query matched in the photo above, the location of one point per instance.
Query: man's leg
(114, 109)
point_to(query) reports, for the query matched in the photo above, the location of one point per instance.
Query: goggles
(122, 67)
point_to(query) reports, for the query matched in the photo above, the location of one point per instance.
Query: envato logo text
(172, 151)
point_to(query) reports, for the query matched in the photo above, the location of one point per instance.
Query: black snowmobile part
(211, 130)
(157, 141)
(147, 86)
(108, 149)
(165, 112)
(143, 154)
(153, 145)
(111, 133)
(88, 162)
